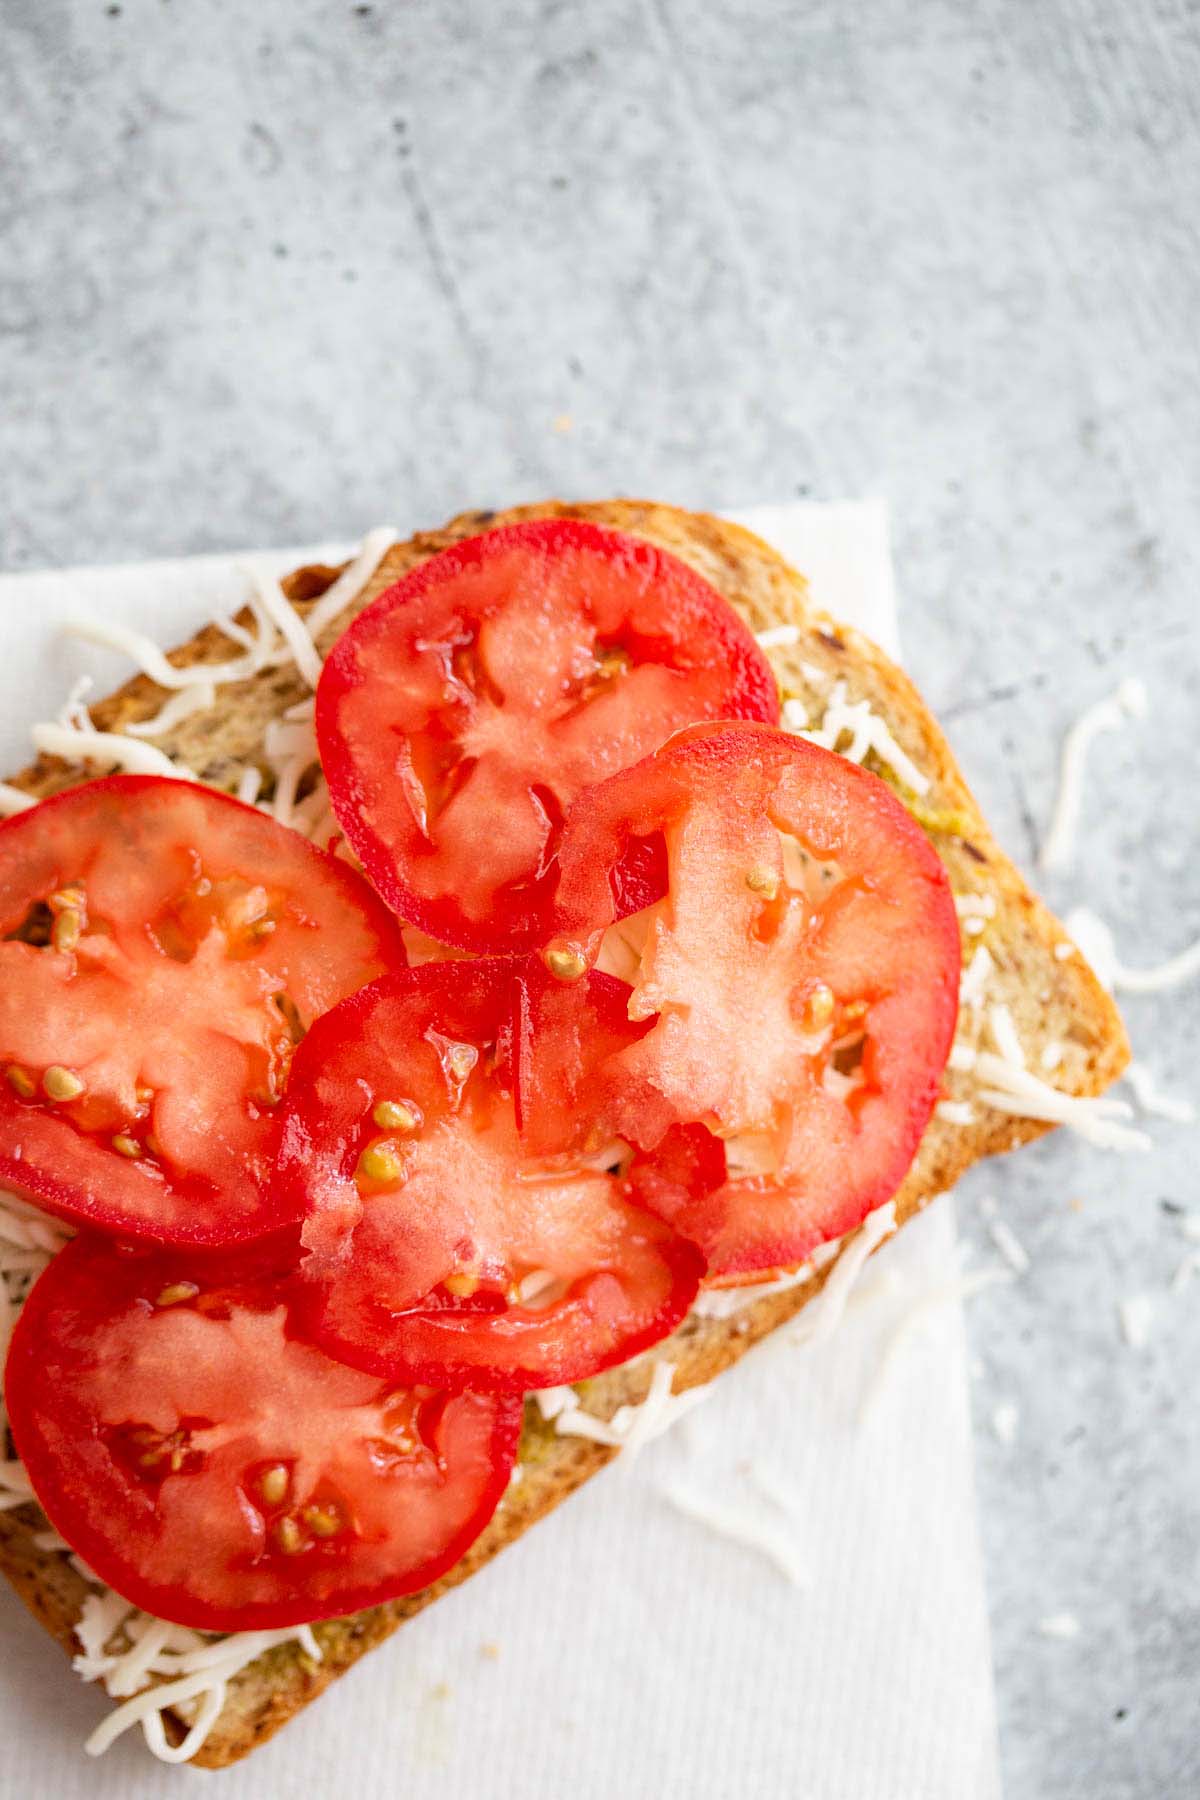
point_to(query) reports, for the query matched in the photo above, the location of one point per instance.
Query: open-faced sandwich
(502, 981)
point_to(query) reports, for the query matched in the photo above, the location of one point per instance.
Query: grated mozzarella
(180, 706)
(975, 978)
(742, 1527)
(108, 749)
(351, 582)
(1151, 1099)
(1095, 939)
(955, 1112)
(1010, 1089)
(1136, 1312)
(1059, 1625)
(150, 659)
(631, 1427)
(1129, 701)
(1009, 1245)
(865, 729)
(288, 623)
(1004, 1035)
(13, 801)
(1005, 1419)
(943, 1293)
(777, 637)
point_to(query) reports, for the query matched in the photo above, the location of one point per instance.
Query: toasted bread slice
(1050, 994)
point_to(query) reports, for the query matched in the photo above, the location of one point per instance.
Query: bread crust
(1051, 997)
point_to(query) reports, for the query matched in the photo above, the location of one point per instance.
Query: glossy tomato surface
(799, 975)
(465, 1222)
(164, 949)
(462, 711)
(222, 1473)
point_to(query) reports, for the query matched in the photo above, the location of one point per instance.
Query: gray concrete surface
(270, 272)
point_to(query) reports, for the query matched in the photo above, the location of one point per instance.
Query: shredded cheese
(1004, 1035)
(1129, 701)
(351, 582)
(865, 729)
(955, 1112)
(13, 801)
(975, 977)
(777, 637)
(1005, 1419)
(1009, 1245)
(290, 626)
(1151, 1099)
(180, 706)
(923, 1306)
(631, 1427)
(1008, 1088)
(1136, 1312)
(742, 1527)
(108, 749)
(1059, 1625)
(1095, 939)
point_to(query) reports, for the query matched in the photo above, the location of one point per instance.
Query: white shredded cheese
(742, 1527)
(1151, 1099)
(955, 1112)
(180, 706)
(1059, 1625)
(290, 626)
(1183, 1274)
(1129, 701)
(975, 978)
(1009, 1089)
(1009, 1245)
(143, 651)
(351, 582)
(1095, 939)
(865, 729)
(1004, 1035)
(975, 906)
(1136, 1312)
(777, 637)
(13, 801)
(108, 749)
(1005, 1419)
(1052, 1055)
(821, 1317)
(943, 1293)
(631, 1427)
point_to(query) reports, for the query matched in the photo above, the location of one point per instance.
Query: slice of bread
(1049, 992)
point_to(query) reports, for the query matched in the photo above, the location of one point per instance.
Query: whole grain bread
(1049, 991)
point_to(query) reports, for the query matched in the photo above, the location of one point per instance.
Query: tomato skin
(437, 775)
(164, 1005)
(748, 936)
(100, 1367)
(501, 1259)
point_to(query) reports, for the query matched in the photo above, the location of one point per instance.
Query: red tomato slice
(801, 973)
(163, 949)
(464, 709)
(222, 1473)
(464, 1225)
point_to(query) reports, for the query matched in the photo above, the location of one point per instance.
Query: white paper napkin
(622, 1648)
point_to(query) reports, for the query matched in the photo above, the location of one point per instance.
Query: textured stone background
(272, 272)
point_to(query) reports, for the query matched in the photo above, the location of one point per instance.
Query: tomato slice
(465, 1222)
(800, 972)
(219, 1471)
(461, 712)
(163, 949)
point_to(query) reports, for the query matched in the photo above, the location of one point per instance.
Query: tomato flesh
(220, 1472)
(464, 1222)
(164, 947)
(462, 711)
(800, 977)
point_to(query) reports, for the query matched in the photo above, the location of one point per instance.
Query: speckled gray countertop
(270, 273)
